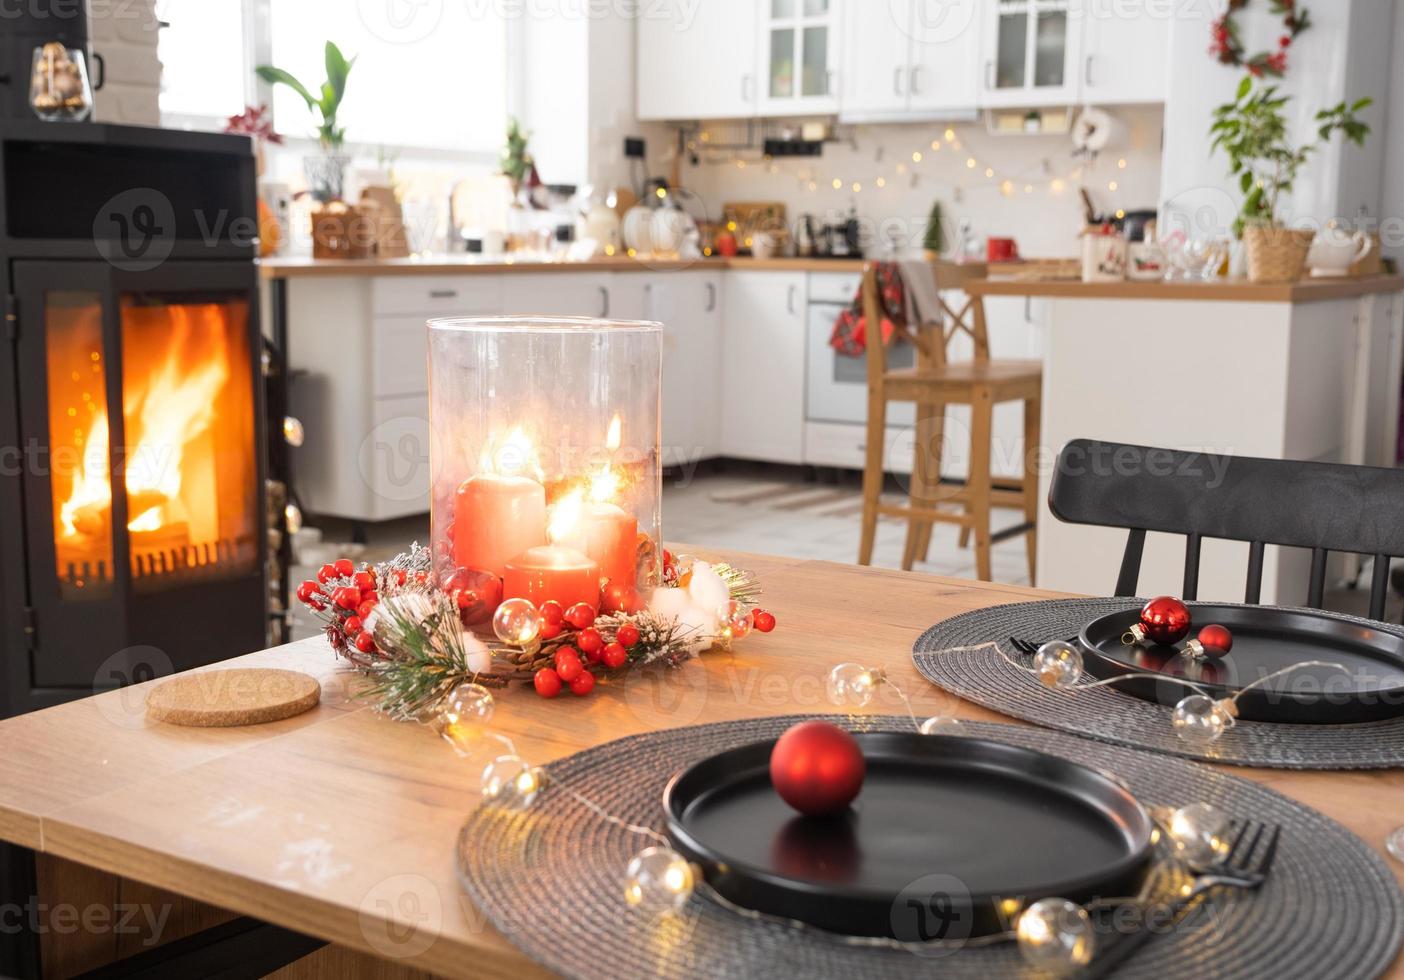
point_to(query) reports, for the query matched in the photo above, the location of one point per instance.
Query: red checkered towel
(850, 336)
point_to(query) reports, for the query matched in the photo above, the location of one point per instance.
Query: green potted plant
(516, 158)
(326, 172)
(1252, 132)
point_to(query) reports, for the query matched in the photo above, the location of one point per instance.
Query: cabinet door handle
(746, 87)
(790, 300)
(913, 85)
(711, 297)
(442, 293)
(1087, 71)
(897, 81)
(989, 73)
(831, 79)
(604, 301)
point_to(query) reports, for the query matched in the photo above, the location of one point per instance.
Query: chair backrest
(1322, 507)
(932, 340)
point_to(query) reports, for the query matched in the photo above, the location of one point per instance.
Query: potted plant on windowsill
(1252, 131)
(326, 172)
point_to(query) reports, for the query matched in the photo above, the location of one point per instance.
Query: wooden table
(341, 824)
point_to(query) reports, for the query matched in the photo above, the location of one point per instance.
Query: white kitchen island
(1303, 371)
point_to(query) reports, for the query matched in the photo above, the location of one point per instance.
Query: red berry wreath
(1227, 44)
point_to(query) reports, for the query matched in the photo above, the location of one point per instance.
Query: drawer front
(834, 287)
(399, 356)
(437, 295)
(393, 459)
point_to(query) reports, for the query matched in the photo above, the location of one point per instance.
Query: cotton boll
(708, 589)
(478, 656)
(699, 627)
(670, 602)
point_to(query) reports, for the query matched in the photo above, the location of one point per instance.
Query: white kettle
(1334, 251)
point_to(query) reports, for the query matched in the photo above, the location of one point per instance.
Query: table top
(1236, 291)
(341, 824)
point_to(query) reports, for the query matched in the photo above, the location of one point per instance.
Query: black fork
(1245, 867)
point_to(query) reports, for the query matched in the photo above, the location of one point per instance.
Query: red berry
(353, 625)
(549, 631)
(590, 641)
(369, 596)
(364, 580)
(552, 612)
(347, 597)
(547, 682)
(581, 616)
(364, 609)
(400, 576)
(365, 643)
(628, 634)
(763, 621)
(615, 655)
(344, 566)
(326, 573)
(583, 684)
(307, 590)
(568, 665)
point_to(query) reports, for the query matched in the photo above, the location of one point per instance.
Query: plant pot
(1276, 254)
(326, 175)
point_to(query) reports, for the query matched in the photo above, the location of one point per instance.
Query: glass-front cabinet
(1032, 51)
(798, 57)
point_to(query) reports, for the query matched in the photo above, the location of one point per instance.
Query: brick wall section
(125, 33)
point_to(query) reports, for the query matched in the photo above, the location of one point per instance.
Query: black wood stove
(132, 427)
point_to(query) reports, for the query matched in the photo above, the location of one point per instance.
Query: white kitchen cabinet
(909, 59)
(557, 294)
(689, 305)
(697, 61)
(762, 386)
(1032, 53)
(1126, 52)
(798, 47)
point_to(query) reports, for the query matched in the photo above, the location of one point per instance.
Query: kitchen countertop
(334, 822)
(1305, 291)
(306, 267)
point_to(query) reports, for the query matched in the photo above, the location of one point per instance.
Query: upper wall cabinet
(910, 59)
(1033, 51)
(698, 67)
(1126, 52)
(798, 50)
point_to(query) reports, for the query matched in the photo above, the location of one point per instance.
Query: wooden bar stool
(932, 384)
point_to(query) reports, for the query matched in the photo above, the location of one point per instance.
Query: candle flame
(565, 516)
(511, 455)
(604, 486)
(615, 437)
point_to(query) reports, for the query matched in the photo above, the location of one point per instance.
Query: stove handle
(604, 302)
(101, 64)
(790, 299)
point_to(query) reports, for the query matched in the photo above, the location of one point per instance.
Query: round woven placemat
(988, 679)
(550, 878)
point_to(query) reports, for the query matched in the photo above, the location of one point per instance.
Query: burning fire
(511, 455)
(565, 516)
(604, 486)
(165, 412)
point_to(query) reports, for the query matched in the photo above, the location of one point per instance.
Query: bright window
(202, 57)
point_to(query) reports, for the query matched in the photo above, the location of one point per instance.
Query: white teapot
(1335, 250)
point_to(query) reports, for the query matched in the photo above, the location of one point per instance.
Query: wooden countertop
(329, 822)
(306, 267)
(1241, 291)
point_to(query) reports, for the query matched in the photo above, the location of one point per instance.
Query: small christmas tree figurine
(935, 239)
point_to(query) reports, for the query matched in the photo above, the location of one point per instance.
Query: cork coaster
(234, 697)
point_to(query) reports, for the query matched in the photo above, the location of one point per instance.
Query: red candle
(611, 538)
(496, 518)
(553, 572)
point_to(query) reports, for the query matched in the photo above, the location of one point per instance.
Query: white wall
(1392, 191)
(125, 34)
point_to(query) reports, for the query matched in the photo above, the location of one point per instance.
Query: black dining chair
(1323, 507)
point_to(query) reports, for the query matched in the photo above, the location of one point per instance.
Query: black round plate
(1265, 639)
(948, 836)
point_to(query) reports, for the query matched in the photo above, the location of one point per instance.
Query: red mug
(1001, 250)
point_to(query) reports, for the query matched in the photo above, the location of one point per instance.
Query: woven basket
(1276, 254)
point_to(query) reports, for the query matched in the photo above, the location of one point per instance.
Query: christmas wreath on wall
(1228, 48)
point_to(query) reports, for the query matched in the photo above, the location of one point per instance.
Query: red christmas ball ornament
(627, 635)
(763, 621)
(1165, 619)
(581, 615)
(1213, 641)
(817, 768)
(547, 682)
(583, 684)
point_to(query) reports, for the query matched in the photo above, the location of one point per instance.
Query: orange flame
(511, 455)
(565, 516)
